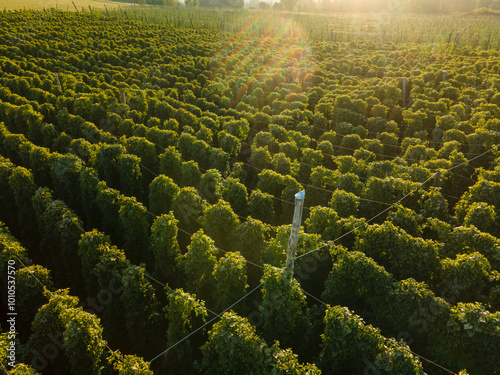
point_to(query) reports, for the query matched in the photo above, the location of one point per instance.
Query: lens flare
(270, 51)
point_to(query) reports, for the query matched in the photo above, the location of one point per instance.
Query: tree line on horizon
(328, 6)
(392, 6)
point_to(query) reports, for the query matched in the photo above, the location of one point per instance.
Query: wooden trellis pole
(404, 91)
(294, 234)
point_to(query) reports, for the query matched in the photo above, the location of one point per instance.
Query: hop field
(149, 160)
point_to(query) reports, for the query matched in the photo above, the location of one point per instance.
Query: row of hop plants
(95, 247)
(380, 109)
(351, 120)
(51, 316)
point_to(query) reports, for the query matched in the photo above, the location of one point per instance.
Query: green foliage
(465, 240)
(386, 190)
(351, 183)
(283, 306)
(170, 164)
(433, 204)
(129, 364)
(347, 342)
(474, 330)
(403, 255)
(190, 174)
(344, 203)
(146, 151)
(51, 321)
(30, 293)
(198, 263)
(10, 249)
(233, 346)
(23, 187)
(90, 248)
(59, 229)
(310, 159)
(356, 280)
(251, 239)
(130, 175)
(236, 194)
(181, 310)
(483, 217)
(142, 310)
(135, 227)
(187, 207)
(466, 276)
(6, 195)
(230, 279)
(261, 206)
(286, 363)
(221, 224)
(229, 143)
(83, 342)
(260, 158)
(278, 186)
(237, 128)
(322, 182)
(325, 222)
(406, 219)
(65, 174)
(161, 194)
(219, 159)
(184, 312)
(211, 186)
(88, 182)
(106, 281)
(22, 369)
(275, 253)
(412, 306)
(164, 245)
(351, 345)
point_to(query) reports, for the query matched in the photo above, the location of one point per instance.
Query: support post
(294, 234)
(122, 95)
(58, 83)
(437, 179)
(404, 91)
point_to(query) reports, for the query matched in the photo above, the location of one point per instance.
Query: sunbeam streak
(269, 52)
